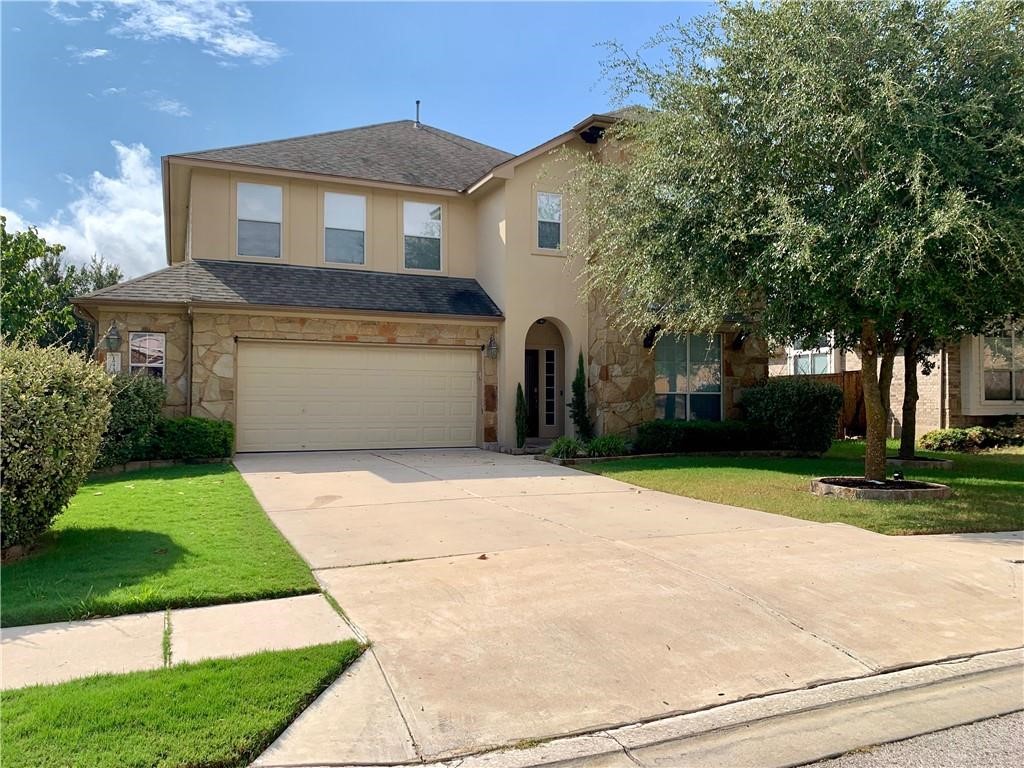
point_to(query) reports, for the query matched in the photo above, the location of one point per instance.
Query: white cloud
(120, 217)
(93, 53)
(114, 91)
(171, 107)
(222, 28)
(73, 12)
(32, 203)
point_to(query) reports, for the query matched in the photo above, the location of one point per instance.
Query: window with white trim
(146, 353)
(344, 228)
(810, 358)
(549, 388)
(549, 220)
(688, 377)
(1002, 360)
(259, 209)
(421, 227)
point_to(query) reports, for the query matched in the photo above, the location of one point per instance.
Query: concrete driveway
(510, 599)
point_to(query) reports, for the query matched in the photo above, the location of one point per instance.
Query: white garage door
(295, 396)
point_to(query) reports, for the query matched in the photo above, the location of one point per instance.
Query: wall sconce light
(492, 348)
(112, 338)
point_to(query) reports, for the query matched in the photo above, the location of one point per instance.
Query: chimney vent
(417, 113)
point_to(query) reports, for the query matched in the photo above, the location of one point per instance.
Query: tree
(578, 405)
(38, 287)
(815, 167)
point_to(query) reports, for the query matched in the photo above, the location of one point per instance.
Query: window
(549, 387)
(344, 228)
(813, 356)
(259, 220)
(688, 377)
(421, 224)
(1002, 356)
(146, 353)
(549, 220)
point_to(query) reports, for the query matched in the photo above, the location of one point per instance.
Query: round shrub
(607, 445)
(565, 448)
(135, 405)
(700, 436)
(192, 438)
(802, 414)
(55, 408)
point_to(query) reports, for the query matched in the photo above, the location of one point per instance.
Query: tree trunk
(908, 435)
(874, 406)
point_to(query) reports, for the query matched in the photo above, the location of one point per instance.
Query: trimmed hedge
(680, 436)
(974, 438)
(55, 408)
(135, 406)
(801, 413)
(607, 445)
(192, 438)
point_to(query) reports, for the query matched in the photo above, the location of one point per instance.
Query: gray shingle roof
(236, 282)
(400, 152)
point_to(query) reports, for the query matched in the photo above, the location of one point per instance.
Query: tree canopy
(813, 168)
(38, 285)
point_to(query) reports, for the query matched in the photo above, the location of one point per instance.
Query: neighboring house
(389, 286)
(979, 380)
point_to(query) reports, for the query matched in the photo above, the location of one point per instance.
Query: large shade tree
(816, 168)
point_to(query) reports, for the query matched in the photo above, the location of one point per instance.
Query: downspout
(943, 387)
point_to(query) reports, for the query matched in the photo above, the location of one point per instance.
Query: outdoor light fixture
(112, 338)
(492, 348)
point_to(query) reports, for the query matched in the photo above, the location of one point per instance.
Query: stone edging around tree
(922, 491)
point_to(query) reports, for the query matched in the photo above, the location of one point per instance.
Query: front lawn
(141, 541)
(988, 489)
(214, 713)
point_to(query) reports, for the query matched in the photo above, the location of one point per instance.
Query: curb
(784, 729)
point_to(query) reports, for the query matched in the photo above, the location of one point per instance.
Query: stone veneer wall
(214, 349)
(175, 325)
(621, 374)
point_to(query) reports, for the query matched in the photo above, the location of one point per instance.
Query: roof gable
(400, 152)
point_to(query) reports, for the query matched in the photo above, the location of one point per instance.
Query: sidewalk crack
(625, 750)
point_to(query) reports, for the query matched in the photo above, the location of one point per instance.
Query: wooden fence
(852, 419)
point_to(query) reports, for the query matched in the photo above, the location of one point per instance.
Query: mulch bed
(882, 485)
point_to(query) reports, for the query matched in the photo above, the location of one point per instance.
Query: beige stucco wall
(213, 235)
(529, 284)
(174, 324)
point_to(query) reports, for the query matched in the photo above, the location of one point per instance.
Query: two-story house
(389, 286)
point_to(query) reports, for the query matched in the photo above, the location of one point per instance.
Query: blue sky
(94, 93)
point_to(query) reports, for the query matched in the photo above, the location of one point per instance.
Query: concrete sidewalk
(53, 653)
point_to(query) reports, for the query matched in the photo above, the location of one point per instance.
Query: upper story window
(549, 220)
(344, 228)
(688, 377)
(259, 220)
(146, 353)
(1002, 357)
(421, 226)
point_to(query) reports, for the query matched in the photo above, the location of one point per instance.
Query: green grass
(214, 713)
(150, 540)
(988, 489)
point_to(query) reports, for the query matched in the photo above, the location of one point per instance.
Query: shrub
(578, 405)
(135, 405)
(801, 413)
(520, 417)
(565, 448)
(974, 438)
(700, 436)
(193, 438)
(55, 408)
(607, 445)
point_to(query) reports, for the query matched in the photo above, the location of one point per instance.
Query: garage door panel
(300, 396)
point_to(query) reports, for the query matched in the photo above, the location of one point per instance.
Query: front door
(532, 388)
